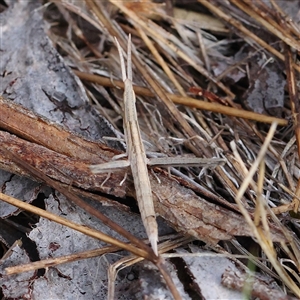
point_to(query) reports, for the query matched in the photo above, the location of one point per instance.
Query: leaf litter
(270, 201)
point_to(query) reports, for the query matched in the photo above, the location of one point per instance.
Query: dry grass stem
(187, 101)
(264, 241)
(83, 229)
(51, 262)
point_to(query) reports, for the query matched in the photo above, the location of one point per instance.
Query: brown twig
(50, 262)
(187, 101)
(141, 249)
(68, 162)
(84, 229)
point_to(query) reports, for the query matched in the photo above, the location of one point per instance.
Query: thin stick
(83, 229)
(136, 152)
(51, 262)
(139, 247)
(188, 101)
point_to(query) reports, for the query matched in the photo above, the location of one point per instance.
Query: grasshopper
(137, 159)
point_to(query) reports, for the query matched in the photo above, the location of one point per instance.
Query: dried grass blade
(265, 243)
(188, 101)
(83, 229)
(218, 11)
(141, 248)
(50, 262)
